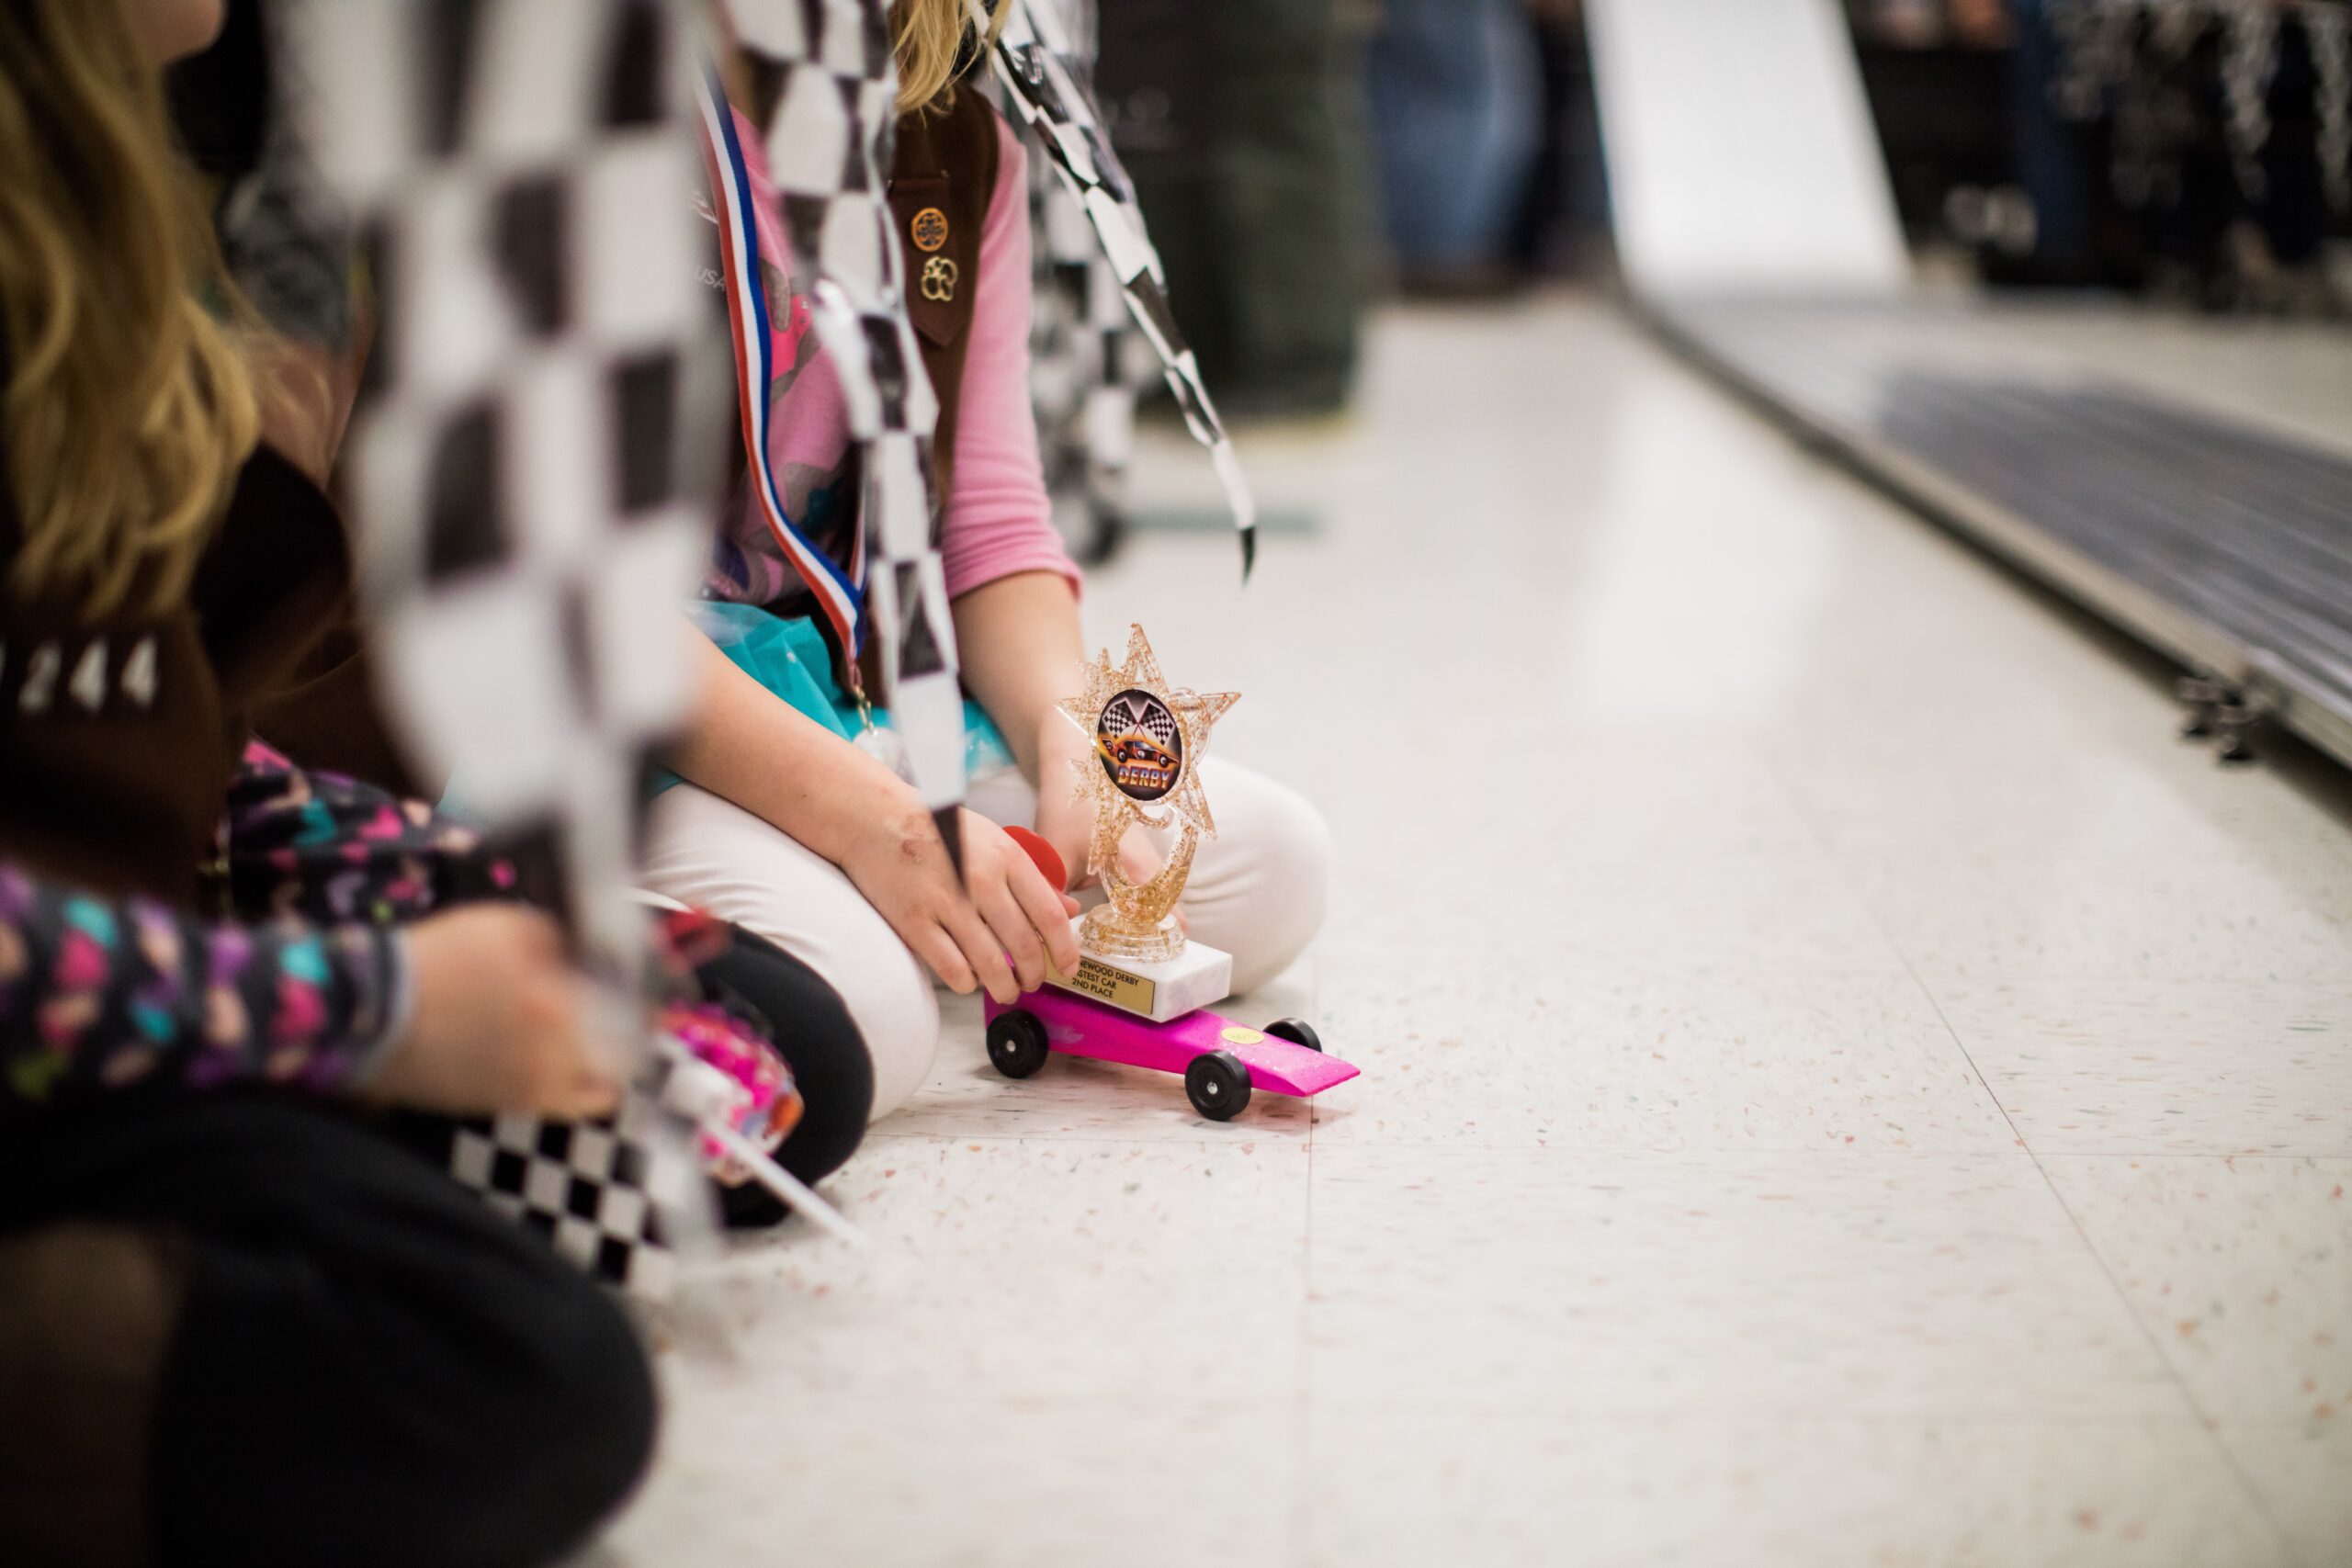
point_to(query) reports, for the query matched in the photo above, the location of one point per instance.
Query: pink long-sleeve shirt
(999, 521)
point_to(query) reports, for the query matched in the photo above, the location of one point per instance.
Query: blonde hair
(129, 408)
(930, 38)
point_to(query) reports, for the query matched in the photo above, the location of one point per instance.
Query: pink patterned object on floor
(1220, 1061)
(767, 1105)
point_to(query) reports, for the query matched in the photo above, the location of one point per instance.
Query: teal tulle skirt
(791, 659)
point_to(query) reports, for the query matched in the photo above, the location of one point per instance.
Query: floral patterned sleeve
(102, 997)
(305, 842)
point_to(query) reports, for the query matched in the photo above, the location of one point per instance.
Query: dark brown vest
(118, 737)
(940, 186)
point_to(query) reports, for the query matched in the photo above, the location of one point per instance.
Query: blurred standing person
(1564, 227)
(1456, 105)
(1241, 123)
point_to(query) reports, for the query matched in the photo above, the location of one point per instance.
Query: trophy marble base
(1161, 991)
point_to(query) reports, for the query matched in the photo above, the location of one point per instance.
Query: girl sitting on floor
(788, 826)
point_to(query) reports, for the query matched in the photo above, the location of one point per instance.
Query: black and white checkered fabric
(532, 464)
(1044, 78)
(1081, 345)
(607, 1195)
(584, 1186)
(828, 151)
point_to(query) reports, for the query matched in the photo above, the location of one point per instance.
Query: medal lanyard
(750, 325)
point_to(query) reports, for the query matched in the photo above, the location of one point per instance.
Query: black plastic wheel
(1298, 1031)
(1017, 1043)
(1218, 1085)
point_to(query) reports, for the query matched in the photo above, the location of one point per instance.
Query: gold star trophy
(1144, 772)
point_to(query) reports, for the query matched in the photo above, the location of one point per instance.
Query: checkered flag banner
(606, 1194)
(1080, 346)
(532, 461)
(603, 1194)
(829, 139)
(1040, 73)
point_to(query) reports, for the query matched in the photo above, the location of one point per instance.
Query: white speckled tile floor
(1843, 1084)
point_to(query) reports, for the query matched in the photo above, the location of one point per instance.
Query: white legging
(1257, 891)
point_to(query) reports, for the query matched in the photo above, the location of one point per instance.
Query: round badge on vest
(929, 229)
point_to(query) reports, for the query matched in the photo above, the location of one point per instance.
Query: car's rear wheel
(1217, 1085)
(1298, 1031)
(1017, 1043)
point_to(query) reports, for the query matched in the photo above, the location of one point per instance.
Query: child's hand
(500, 1023)
(1066, 820)
(963, 937)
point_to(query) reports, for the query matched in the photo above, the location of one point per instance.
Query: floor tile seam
(1856, 1151)
(1619, 1419)
(1801, 806)
(1636, 964)
(2343, 1156)
(2250, 1495)
(1301, 1509)
(912, 1136)
(1202, 1146)
(2006, 1156)
(2171, 977)
(2247, 1492)
(2172, 1415)
(982, 1400)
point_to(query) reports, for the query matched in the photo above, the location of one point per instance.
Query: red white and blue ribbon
(751, 323)
(828, 140)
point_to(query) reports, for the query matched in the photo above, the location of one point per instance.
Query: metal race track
(2227, 548)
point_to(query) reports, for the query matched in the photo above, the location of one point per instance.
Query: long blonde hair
(129, 408)
(930, 36)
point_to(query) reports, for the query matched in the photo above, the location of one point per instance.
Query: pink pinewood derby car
(1220, 1061)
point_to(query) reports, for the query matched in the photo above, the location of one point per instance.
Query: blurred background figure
(2195, 151)
(1241, 126)
(1456, 92)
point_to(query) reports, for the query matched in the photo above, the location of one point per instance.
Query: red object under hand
(1048, 863)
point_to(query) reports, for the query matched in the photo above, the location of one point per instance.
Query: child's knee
(1296, 889)
(1289, 886)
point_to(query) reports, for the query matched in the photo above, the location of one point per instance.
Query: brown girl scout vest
(118, 737)
(939, 185)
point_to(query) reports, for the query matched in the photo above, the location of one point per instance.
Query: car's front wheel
(1218, 1085)
(1017, 1043)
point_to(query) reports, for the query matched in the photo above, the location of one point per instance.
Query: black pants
(239, 1331)
(813, 1032)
